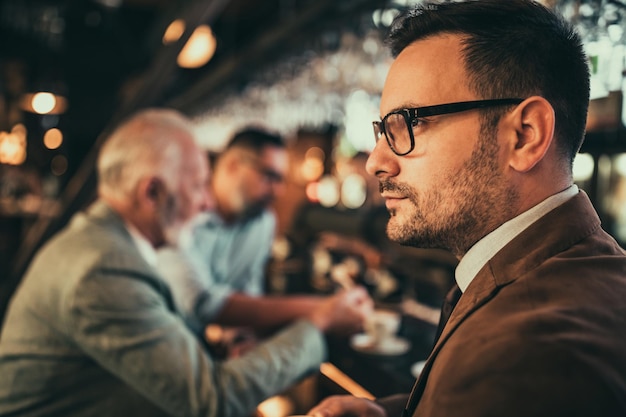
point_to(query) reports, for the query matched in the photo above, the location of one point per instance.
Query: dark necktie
(446, 309)
(449, 303)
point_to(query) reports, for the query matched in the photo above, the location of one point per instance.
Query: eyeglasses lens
(398, 133)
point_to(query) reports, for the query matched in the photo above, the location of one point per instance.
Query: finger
(357, 295)
(329, 407)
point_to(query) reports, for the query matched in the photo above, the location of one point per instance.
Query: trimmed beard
(469, 204)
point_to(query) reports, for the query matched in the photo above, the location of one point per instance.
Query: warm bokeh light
(277, 406)
(313, 166)
(199, 48)
(43, 103)
(281, 248)
(213, 333)
(13, 146)
(328, 191)
(311, 192)
(58, 166)
(174, 31)
(19, 129)
(312, 169)
(353, 191)
(583, 167)
(53, 138)
(620, 164)
(315, 152)
(361, 110)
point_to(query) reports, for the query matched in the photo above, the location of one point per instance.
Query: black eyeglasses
(268, 174)
(397, 126)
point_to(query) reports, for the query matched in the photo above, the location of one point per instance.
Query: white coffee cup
(382, 325)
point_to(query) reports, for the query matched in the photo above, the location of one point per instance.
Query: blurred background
(70, 70)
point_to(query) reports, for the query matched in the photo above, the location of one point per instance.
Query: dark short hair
(512, 48)
(256, 139)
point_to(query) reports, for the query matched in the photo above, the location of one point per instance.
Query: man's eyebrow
(410, 105)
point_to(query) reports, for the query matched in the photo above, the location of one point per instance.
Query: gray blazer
(92, 331)
(540, 331)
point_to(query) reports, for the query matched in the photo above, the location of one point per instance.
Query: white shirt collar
(147, 251)
(479, 254)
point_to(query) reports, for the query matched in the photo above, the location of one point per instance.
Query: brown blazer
(540, 331)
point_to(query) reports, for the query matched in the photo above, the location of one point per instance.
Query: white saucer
(393, 346)
(417, 367)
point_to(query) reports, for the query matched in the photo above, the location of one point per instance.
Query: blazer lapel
(482, 290)
(101, 213)
(570, 222)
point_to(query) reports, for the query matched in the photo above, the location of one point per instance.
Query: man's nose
(371, 165)
(382, 161)
(278, 188)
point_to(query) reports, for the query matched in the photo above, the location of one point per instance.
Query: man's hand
(343, 313)
(347, 406)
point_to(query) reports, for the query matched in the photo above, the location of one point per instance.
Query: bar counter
(385, 374)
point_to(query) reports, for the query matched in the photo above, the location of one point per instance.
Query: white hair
(148, 143)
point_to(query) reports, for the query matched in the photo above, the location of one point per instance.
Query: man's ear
(532, 133)
(151, 191)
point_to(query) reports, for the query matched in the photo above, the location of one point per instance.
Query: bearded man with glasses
(217, 275)
(483, 111)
